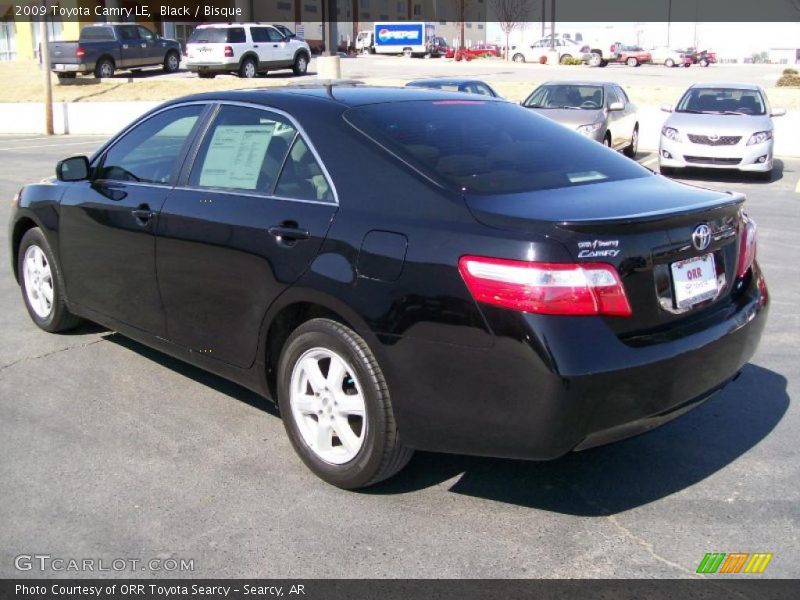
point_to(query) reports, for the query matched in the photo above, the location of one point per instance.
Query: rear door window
(128, 33)
(489, 147)
(236, 35)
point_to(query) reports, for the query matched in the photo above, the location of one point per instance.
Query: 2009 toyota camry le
(400, 269)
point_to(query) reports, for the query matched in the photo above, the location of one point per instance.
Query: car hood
(705, 124)
(570, 118)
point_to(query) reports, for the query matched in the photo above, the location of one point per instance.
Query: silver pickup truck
(104, 48)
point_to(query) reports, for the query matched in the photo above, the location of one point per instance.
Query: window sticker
(235, 156)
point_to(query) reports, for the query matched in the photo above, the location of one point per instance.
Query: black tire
(518, 58)
(59, 319)
(704, 62)
(206, 75)
(104, 68)
(172, 62)
(381, 454)
(62, 76)
(632, 61)
(564, 59)
(669, 63)
(300, 66)
(607, 140)
(630, 150)
(248, 68)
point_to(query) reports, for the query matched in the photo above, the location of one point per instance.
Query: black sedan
(466, 86)
(400, 269)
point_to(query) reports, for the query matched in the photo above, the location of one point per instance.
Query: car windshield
(587, 97)
(721, 101)
(489, 147)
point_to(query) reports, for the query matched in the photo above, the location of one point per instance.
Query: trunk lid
(643, 227)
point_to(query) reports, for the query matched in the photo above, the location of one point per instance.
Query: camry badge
(701, 236)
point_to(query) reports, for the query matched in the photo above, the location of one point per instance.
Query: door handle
(143, 214)
(255, 45)
(289, 233)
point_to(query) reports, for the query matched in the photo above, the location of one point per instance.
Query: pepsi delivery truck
(412, 38)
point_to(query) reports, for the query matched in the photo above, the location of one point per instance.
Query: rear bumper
(758, 157)
(212, 67)
(70, 68)
(555, 384)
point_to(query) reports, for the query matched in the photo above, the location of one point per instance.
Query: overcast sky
(728, 39)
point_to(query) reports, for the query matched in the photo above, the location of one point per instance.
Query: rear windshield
(217, 35)
(587, 97)
(489, 147)
(724, 101)
(97, 33)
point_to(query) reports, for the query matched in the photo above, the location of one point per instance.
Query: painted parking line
(53, 145)
(649, 160)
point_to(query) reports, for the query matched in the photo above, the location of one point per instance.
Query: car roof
(722, 84)
(228, 25)
(580, 82)
(446, 81)
(346, 95)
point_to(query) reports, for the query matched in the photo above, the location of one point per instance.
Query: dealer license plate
(694, 280)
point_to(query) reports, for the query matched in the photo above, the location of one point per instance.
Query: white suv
(244, 48)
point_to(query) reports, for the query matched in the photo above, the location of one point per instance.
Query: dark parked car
(468, 86)
(400, 269)
(105, 48)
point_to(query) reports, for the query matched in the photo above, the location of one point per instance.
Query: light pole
(44, 47)
(328, 65)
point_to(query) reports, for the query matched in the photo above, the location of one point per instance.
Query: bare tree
(510, 15)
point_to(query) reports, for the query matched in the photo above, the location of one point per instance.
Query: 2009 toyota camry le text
(400, 269)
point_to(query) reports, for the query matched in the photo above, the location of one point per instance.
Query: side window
(274, 35)
(612, 96)
(149, 153)
(622, 95)
(302, 177)
(146, 34)
(259, 34)
(236, 35)
(128, 33)
(482, 90)
(243, 150)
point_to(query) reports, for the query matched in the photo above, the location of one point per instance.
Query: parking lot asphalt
(112, 450)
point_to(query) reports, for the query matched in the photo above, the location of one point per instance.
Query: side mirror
(778, 112)
(75, 168)
(667, 107)
(616, 106)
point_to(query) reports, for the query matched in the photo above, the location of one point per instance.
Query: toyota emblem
(701, 236)
(713, 137)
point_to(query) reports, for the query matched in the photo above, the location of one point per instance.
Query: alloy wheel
(38, 281)
(327, 404)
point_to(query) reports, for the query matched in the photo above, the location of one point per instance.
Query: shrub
(790, 71)
(789, 81)
(572, 61)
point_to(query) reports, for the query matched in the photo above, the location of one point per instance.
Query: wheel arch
(105, 57)
(296, 307)
(246, 55)
(21, 227)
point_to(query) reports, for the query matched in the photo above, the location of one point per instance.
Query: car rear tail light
(80, 52)
(228, 51)
(747, 248)
(546, 288)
